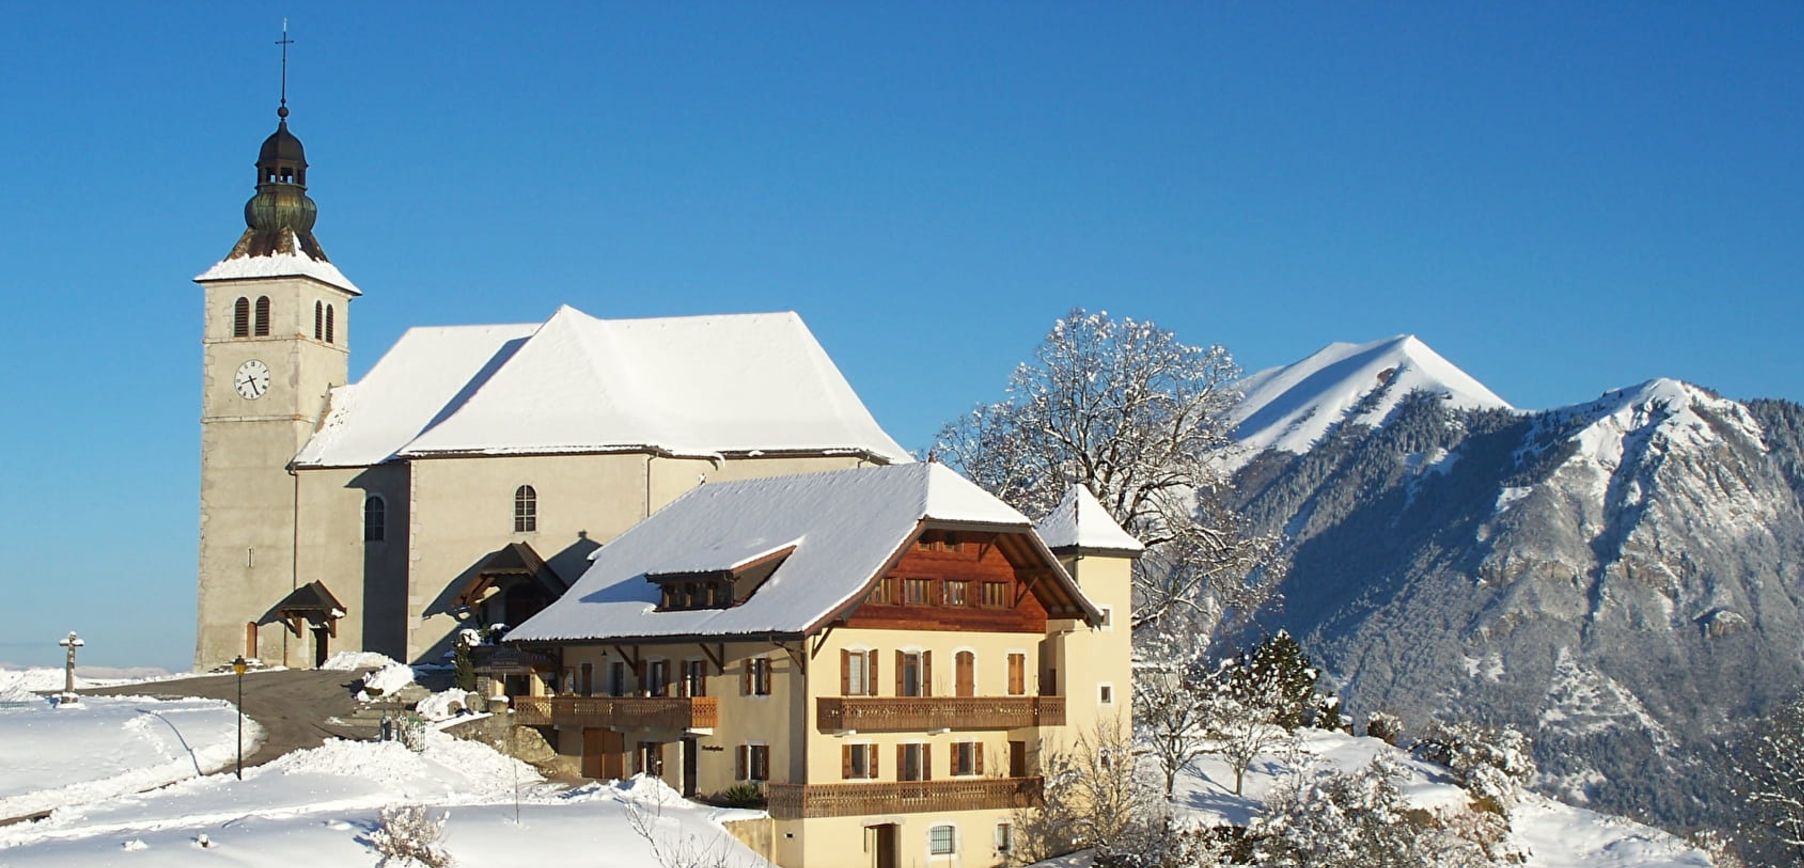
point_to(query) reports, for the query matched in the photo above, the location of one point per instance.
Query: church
(466, 479)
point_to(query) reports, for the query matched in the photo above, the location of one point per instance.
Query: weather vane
(282, 111)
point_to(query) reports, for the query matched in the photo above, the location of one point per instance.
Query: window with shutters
(657, 677)
(858, 761)
(375, 519)
(884, 594)
(754, 679)
(262, 316)
(588, 682)
(955, 592)
(913, 762)
(915, 592)
(995, 595)
(914, 675)
(695, 678)
(241, 318)
(1017, 674)
(617, 678)
(964, 674)
(526, 509)
(857, 673)
(942, 840)
(753, 762)
(967, 758)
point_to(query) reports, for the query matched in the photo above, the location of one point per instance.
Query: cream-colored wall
(463, 509)
(247, 497)
(1089, 657)
(368, 577)
(850, 842)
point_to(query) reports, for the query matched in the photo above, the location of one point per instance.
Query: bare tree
(1092, 794)
(1771, 765)
(675, 848)
(411, 835)
(1172, 706)
(1124, 407)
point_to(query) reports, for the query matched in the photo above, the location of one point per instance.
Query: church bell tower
(276, 340)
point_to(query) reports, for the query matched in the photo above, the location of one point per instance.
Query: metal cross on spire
(282, 111)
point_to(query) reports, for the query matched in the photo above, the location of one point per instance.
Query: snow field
(109, 746)
(319, 806)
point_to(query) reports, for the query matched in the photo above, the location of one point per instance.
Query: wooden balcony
(928, 713)
(624, 713)
(796, 801)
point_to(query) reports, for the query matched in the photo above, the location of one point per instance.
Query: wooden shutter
(927, 762)
(1017, 674)
(926, 673)
(763, 762)
(901, 659)
(745, 678)
(964, 677)
(870, 675)
(741, 766)
(901, 761)
(845, 758)
(977, 758)
(845, 678)
(871, 754)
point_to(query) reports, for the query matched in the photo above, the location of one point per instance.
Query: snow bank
(385, 681)
(349, 660)
(447, 704)
(109, 746)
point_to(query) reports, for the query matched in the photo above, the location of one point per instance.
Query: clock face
(252, 380)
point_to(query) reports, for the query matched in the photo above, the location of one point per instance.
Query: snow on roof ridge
(272, 265)
(1081, 521)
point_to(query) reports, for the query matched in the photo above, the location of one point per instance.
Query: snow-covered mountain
(1624, 578)
(1293, 406)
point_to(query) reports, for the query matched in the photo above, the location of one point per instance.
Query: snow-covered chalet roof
(845, 527)
(697, 386)
(290, 259)
(1080, 522)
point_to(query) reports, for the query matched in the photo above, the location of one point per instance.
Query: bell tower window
(526, 509)
(329, 336)
(319, 320)
(263, 316)
(241, 318)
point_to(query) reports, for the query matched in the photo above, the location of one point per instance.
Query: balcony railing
(925, 713)
(618, 712)
(796, 801)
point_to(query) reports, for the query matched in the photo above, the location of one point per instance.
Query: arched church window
(241, 318)
(375, 518)
(262, 316)
(329, 336)
(526, 509)
(319, 320)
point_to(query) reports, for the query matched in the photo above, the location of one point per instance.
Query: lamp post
(72, 642)
(238, 666)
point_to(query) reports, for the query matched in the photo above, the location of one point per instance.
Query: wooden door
(888, 853)
(1017, 759)
(319, 646)
(965, 666)
(604, 754)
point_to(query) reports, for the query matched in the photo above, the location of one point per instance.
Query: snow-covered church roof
(696, 386)
(1080, 522)
(844, 527)
(288, 257)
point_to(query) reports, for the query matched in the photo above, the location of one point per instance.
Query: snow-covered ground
(1551, 834)
(319, 806)
(106, 746)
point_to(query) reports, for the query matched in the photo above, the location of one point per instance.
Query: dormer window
(684, 592)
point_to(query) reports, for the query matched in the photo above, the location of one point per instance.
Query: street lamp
(238, 666)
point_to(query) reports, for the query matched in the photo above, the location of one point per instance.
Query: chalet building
(465, 478)
(884, 652)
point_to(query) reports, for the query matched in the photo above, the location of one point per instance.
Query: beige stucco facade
(1070, 661)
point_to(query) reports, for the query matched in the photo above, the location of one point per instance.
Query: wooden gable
(959, 580)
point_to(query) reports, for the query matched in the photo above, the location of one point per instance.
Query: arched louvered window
(241, 318)
(375, 518)
(262, 316)
(329, 336)
(526, 509)
(319, 320)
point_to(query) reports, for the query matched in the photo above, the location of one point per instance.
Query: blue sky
(1559, 198)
